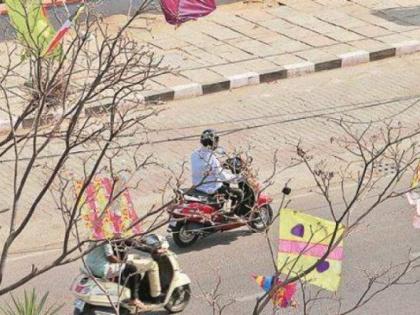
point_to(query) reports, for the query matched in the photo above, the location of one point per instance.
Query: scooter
(197, 214)
(95, 295)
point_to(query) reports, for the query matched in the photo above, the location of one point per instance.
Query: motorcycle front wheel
(261, 218)
(183, 235)
(179, 299)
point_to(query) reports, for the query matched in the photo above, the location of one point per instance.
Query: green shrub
(29, 305)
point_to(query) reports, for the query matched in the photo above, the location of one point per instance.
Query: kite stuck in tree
(283, 296)
(179, 11)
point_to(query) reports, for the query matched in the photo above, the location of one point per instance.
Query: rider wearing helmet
(208, 176)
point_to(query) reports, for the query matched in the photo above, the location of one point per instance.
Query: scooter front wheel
(179, 299)
(99, 310)
(184, 235)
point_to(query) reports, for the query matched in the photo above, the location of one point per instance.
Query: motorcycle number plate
(79, 304)
(172, 223)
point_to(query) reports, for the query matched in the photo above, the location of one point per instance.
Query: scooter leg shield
(180, 279)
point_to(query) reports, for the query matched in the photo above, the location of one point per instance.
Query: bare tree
(367, 146)
(68, 119)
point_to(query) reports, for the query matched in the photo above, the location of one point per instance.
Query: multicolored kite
(304, 239)
(415, 181)
(283, 297)
(105, 219)
(179, 11)
(31, 23)
(56, 40)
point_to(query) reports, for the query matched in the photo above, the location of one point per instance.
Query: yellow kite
(415, 181)
(31, 24)
(303, 240)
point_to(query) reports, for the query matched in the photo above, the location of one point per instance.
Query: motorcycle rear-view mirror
(286, 190)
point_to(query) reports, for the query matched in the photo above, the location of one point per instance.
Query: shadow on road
(400, 15)
(222, 238)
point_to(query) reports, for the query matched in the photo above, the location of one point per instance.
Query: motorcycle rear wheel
(179, 299)
(261, 219)
(182, 235)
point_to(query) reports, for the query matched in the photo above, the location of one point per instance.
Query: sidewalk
(244, 44)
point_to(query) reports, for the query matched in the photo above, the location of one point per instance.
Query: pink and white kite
(179, 11)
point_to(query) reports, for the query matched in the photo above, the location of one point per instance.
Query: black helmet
(209, 137)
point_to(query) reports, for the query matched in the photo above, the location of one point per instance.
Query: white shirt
(207, 173)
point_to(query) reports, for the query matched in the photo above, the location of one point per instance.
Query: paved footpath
(245, 44)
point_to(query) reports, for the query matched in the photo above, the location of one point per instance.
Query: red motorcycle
(197, 214)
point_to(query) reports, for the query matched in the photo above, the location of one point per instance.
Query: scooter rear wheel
(179, 299)
(182, 235)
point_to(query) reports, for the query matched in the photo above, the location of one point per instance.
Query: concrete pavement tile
(315, 55)
(201, 75)
(139, 34)
(303, 20)
(258, 32)
(152, 85)
(205, 56)
(230, 53)
(219, 32)
(397, 26)
(392, 39)
(339, 49)
(298, 32)
(198, 39)
(290, 46)
(257, 65)
(414, 34)
(255, 15)
(229, 70)
(256, 48)
(344, 36)
(332, 15)
(169, 43)
(285, 59)
(369, 45)
(318, 41)
(229, 19)
(277, 38)
(277, 25)
(283, 11)
(178, 59)
(170, 80)
(371, 31)
(305, 5)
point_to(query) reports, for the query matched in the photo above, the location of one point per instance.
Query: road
(267, 116)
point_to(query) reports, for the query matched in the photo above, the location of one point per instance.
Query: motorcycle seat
(198, 196)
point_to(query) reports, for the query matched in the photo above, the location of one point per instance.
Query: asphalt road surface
(384, 239)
